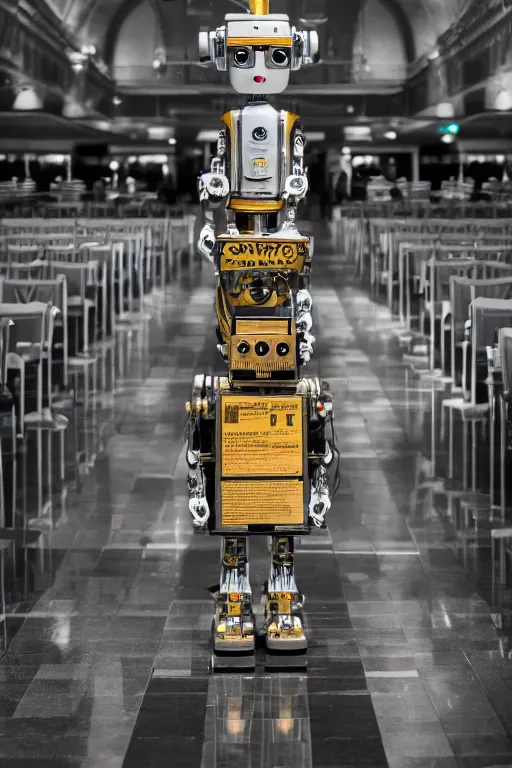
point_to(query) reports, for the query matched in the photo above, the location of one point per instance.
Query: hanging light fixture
(445, 110)
(27, 100)
(503, 100)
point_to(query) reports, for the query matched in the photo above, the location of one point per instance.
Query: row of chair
(70, 292)
(448, 286)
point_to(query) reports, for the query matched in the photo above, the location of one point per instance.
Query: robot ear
(212, 47)
(297, 50)
(305, 48)
(220, 49)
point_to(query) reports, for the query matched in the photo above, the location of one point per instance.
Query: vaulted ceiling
(420, 21)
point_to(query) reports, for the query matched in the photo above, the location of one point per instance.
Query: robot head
(258, 49)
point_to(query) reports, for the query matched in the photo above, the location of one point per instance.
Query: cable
(337, 478)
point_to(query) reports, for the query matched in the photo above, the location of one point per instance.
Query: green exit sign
(451, 128)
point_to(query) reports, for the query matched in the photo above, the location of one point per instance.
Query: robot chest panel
(260, 150)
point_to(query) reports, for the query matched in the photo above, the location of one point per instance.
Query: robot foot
(284, 624)
(233, 624)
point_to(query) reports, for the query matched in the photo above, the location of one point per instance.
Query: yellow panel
(251, 327)
(261, 436)
(274, 41)
(262, 502)
(255, 206)
(263, 366)
(259, 7)
(268, 254)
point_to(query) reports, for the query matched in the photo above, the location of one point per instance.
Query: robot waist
(245, 205)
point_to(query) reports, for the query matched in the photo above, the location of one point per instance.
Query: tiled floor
(108, 662)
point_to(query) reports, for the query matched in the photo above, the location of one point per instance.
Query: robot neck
(257, 99)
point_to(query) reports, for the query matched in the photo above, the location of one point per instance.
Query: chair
(505, 359)
(34, 323)
(50, 292)
(7, 417)
(79, 306)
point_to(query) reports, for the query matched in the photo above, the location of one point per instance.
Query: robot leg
(234, 618)
(284, 624)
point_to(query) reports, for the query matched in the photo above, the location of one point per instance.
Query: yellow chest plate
(240, 254)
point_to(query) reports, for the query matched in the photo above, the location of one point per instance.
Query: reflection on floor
(110, 614)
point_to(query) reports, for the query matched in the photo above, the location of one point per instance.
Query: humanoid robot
(257, 448)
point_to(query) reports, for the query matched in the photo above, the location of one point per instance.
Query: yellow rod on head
(259, 7)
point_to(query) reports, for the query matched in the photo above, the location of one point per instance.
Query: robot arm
(304, 322)
(296, 185)
(213, 191)
(320, 491)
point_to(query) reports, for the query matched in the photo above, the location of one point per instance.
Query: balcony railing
(326, 73)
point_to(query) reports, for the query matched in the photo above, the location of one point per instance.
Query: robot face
(259, 53)
(257, 70)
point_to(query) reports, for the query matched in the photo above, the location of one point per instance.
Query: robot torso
(260, 150)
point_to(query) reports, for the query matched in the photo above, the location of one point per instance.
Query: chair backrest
(5, 327)
(441, 270)
(52, 292)
(498, 288)
(76, 276)
(23, 254)
(460, 300)
(30, 320)
(505, 349)
(64, 252)
(487, 316)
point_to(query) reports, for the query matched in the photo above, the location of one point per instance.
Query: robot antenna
(259, 7)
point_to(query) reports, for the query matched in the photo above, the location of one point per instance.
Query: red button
(259, 79)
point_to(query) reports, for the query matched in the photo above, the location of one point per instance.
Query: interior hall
(213, 210)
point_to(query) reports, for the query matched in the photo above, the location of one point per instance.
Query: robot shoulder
(230, 119)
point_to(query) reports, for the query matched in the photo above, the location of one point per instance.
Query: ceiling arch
(98, 21)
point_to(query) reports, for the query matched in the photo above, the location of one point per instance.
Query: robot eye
(282, 349)
(280, 57)
(243, 348)
(241, 57)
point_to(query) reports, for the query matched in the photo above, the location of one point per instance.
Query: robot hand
(200, 511)
(304, 304)
(306, 347)
(295, 188)
(320, 498)
(197, 504)
(213, 188)
(206, 242)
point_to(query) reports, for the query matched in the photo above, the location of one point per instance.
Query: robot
(257, 446)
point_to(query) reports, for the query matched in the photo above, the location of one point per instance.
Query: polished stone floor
(109, 609)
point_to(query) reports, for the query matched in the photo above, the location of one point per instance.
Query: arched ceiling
(423, 21)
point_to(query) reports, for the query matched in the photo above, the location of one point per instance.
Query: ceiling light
(357, 133)
(445, 110)
(27, 100)
(350, 109)
(159, 132)
(503, 100)
(172, 141)
(314, 136)
(500, 158)
(448, 138)
(391, 135)
(207, 137)
(114, 166)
